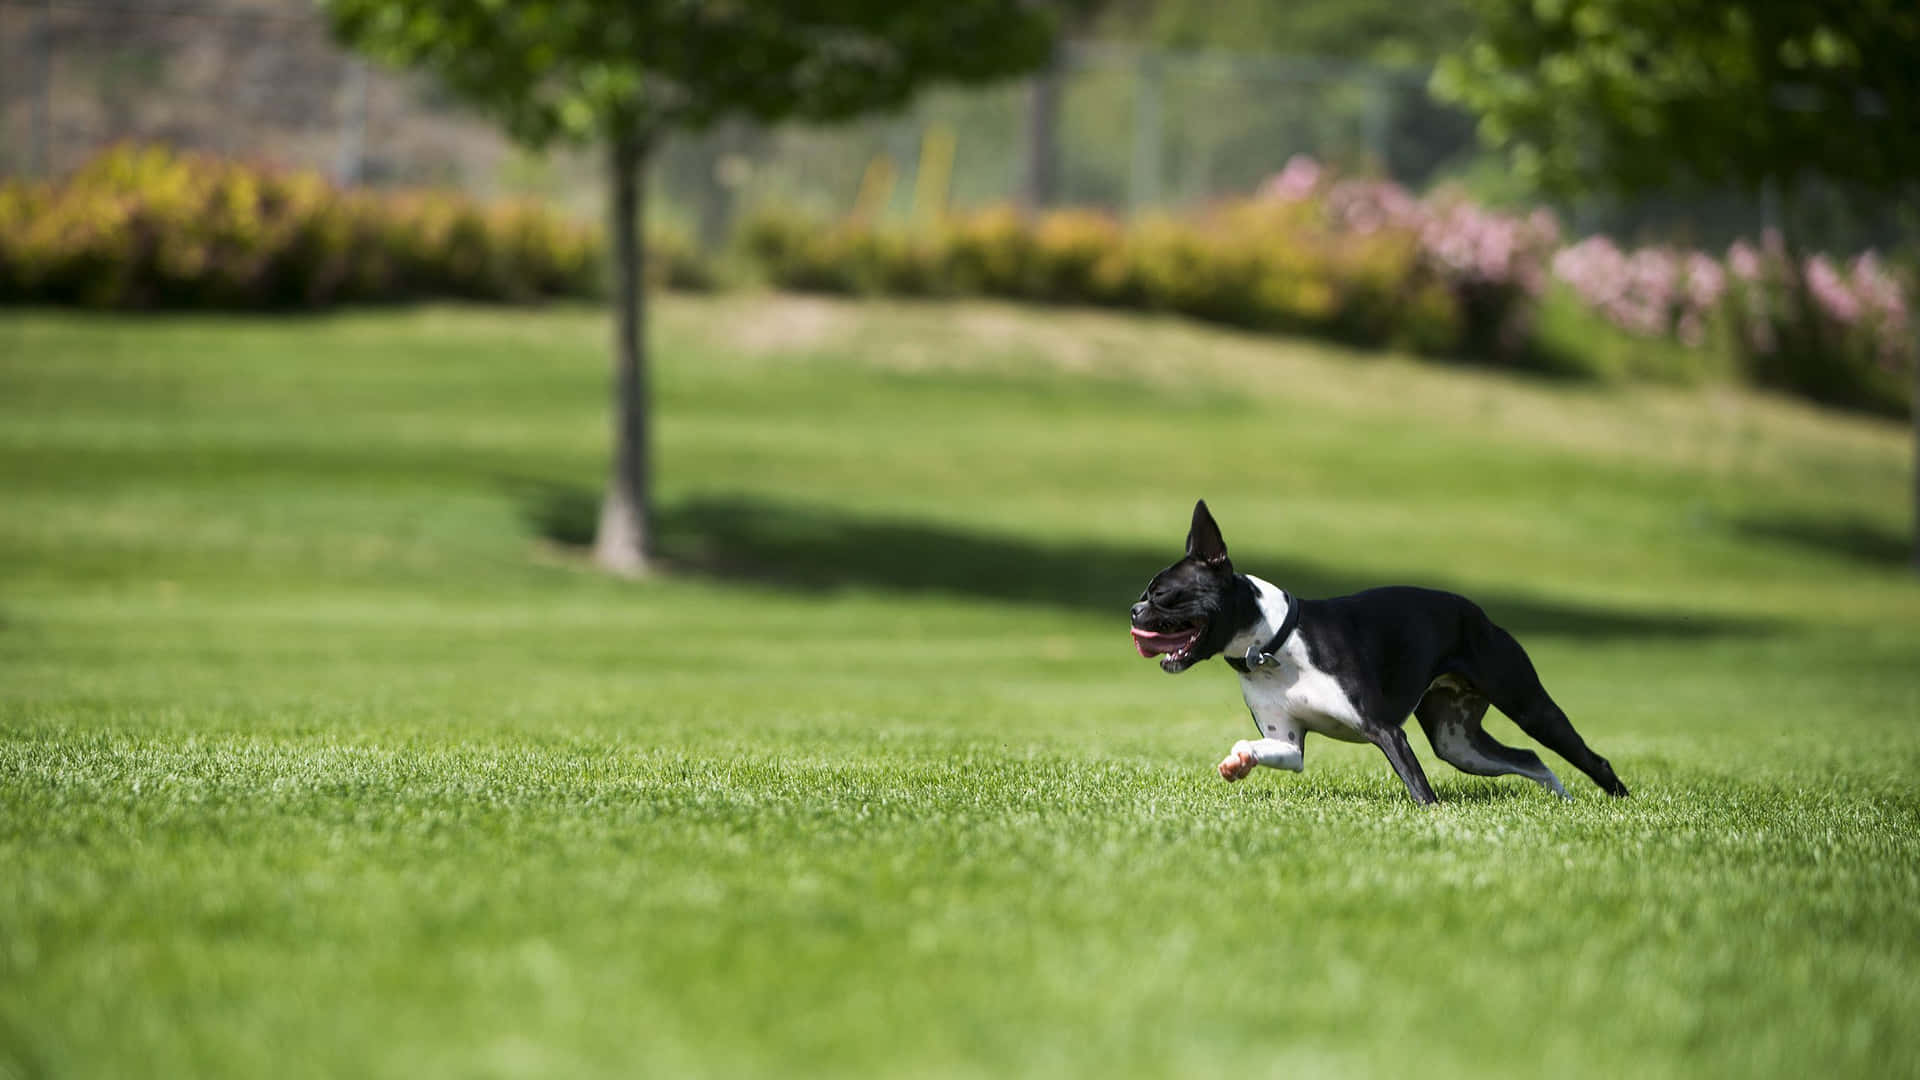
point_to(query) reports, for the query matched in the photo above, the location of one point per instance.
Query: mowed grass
(322, 753)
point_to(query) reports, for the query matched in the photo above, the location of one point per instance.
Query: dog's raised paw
(1237, 765)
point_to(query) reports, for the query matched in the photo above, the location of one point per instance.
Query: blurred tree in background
(1645, 95)
(1634, 96)
(625, 73)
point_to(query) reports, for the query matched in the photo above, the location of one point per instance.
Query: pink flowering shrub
(1651, 292)
(1494, 264)
(1836, 332)
(1832, 331)
(1365, 261)
(1361, 261)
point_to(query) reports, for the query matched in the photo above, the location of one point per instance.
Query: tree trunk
(623, 543)
(1913, 410)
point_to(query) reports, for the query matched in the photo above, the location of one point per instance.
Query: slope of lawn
(323, 754)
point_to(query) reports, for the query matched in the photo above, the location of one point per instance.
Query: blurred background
(1148, 105)
(1147, 115)
(1165, 130)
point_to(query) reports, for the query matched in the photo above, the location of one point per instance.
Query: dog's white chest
(1291, 696)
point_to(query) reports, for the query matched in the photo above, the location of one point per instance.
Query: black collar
(1287, 625)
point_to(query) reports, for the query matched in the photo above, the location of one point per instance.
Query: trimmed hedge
(1258, 263)
(1365, 262)
(148, 227)
(1358, 261)
(1837, 332)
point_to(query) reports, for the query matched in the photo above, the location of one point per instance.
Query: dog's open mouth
(1176, 645)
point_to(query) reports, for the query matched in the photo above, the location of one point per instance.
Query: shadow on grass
(809, 547)
(1848, 538)
(17, 1059)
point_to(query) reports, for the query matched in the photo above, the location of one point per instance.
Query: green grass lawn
(323, 754)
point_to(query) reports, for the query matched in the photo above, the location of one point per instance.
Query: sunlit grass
(322, 753)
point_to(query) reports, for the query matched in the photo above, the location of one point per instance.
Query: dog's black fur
(1390, 650)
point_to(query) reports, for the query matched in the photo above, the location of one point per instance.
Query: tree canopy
(1634, 95)
(581, 69)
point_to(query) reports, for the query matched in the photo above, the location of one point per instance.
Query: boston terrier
(1353, 667)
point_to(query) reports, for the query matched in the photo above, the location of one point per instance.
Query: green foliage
(675, 261)
(1833, 334)
(1257, 263)
(149, 227)
(316, 762)
(1571, 337)
(988, 252)
(1841, 332)
(798, 256)
(1640, 94)
(1362, 262)
(1080, 257)
(593, 69)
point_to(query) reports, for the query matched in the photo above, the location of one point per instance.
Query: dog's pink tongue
(1152, 644)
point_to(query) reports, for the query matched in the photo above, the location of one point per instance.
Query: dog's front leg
(1273, 753)
(1393, 742)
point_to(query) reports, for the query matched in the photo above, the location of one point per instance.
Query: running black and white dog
(1353, 667)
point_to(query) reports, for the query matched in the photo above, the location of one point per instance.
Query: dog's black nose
(1138, 609)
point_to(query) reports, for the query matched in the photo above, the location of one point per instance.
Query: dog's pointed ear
(1204, 543)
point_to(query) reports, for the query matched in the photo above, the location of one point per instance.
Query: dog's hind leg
(1501, 669)
(1540, 718)
(1451, 715)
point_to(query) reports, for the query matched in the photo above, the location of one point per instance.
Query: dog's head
(1194, 607)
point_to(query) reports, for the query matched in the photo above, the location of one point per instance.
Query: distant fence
(260, 79)
(1132, 129)
(1138, 129)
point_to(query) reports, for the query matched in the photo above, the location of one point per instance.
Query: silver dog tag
(1256, 658)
